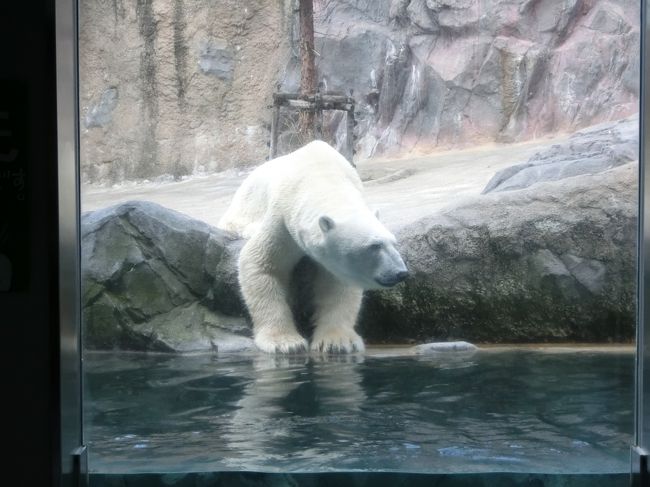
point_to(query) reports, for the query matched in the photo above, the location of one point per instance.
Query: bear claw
(282, 344)
(291, 349)
(338, 343)
(334, 348)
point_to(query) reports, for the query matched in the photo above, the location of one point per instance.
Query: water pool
(515, 411)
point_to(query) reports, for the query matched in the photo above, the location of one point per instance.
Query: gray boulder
(553, 262)
(586, 152)
(154, 279)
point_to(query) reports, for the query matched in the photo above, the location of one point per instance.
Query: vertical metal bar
(80, 467)
(642, 434)
(275, 120)
(640, 473)
(69, 245)
(639, 454)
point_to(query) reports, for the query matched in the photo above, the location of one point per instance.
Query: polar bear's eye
(375, 246)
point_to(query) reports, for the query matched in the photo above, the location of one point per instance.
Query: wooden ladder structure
(316, 103)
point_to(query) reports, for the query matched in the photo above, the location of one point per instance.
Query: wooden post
(307, 63)
(275, 120)
(318, 117)
(315, 104)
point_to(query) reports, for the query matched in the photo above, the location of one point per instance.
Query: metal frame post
(67, 65)
(640, 473)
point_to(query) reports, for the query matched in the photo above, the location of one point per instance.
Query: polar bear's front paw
(336, 340)
(280, 342)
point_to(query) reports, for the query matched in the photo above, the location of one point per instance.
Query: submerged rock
(445, 347)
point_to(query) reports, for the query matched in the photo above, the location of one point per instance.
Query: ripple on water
(515, 411)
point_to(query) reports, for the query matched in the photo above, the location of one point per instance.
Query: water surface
(493, 411)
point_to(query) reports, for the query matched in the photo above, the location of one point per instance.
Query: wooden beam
(315, 104)
(311, 105)
(318, 117)
(280, 97)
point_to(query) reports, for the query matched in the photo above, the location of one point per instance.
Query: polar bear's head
(360, 250)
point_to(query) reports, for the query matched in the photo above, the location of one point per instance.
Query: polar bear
(309, 203)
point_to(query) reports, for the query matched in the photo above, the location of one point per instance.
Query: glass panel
(477, 184)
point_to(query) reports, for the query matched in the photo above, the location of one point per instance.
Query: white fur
(310, 203)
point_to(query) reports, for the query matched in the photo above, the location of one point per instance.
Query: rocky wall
(176, 87)
(436, 74)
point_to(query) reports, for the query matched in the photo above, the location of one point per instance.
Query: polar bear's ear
(326, 223)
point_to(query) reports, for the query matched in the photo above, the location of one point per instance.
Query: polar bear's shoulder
(321, 152)
(316, 161)
(322, 162)
(315, 171)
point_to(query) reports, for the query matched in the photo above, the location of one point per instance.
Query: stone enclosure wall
(447, 73)
(176, 87)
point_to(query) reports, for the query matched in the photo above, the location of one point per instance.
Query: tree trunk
(307, 64)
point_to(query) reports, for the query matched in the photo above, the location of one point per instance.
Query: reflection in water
(508, 411)
(314, 391)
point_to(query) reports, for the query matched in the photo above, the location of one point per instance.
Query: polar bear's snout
(394, 276)
(392, 269)
(390, 281)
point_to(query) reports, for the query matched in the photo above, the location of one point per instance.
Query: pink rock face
(451, 73)
(180, 88)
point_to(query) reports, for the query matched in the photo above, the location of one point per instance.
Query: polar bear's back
(250, 202)
(316, 170)
(314, 161)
